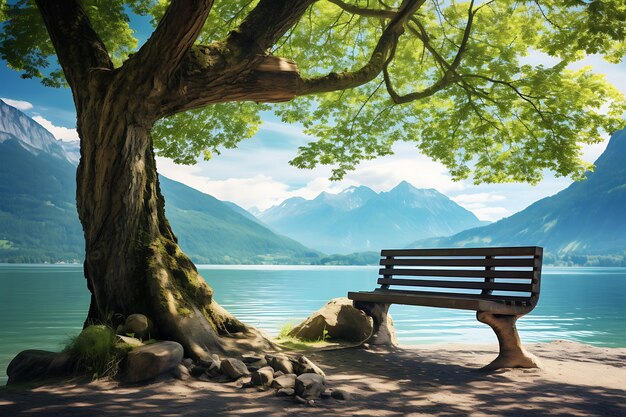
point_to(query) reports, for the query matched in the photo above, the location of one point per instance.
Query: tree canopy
(485, 87)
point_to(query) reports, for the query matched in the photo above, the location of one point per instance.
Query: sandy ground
(442, 380)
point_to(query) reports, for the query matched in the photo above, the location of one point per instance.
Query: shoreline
(438, 380)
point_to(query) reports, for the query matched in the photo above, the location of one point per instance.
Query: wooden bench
(500, 284)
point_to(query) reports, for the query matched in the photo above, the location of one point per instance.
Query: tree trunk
(133, 263)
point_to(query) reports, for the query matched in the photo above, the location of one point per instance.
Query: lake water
(42, 306)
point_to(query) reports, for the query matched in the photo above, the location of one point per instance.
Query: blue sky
(257, 174)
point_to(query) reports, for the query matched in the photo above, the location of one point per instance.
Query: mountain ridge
(39, 223)
(358, 219)
(585, 219)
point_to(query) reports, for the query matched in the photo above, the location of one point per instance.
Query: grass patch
(285, 329)
(294, 343)
(96, 352)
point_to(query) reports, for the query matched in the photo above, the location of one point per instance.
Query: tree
(455, 78)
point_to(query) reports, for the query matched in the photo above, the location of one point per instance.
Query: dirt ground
(436, 380)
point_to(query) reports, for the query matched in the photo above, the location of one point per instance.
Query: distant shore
(434, 380)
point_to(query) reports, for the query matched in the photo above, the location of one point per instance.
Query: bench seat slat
(507, 251)
(511, 262)
(494, 286)
(489, 297)
(459, 273)
(442, 301)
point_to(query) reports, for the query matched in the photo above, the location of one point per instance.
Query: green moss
(96, 351)
(184, 311)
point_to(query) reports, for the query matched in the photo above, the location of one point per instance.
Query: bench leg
(383, 333)
(512, 354)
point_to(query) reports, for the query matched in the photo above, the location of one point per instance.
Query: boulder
(62, 364)
(310, 385)
(234, 368)
(149, 361)
(263, 377)
(137, 325)
(280, 363)
(340, 320)
(305, 366)
(30, 365)
(284, 381)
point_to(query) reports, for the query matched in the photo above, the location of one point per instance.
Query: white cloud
(478, 198)
(253, 176)
(59, 132)
(18, 104)
(481, 204)
(491, 213)
(407, 164)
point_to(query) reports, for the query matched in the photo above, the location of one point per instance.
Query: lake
(42, 306)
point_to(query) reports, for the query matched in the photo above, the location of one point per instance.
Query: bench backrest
(508, 273)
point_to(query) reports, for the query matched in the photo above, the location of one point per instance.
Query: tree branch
(164, 51)
(365, 12)
(449, 75)
(369, 71)
(264, 25)
(78, 47)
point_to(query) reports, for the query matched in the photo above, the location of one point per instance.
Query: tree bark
(133, 263)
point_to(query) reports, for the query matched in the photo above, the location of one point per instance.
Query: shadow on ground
(403, 382)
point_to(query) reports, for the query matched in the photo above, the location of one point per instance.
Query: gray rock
(234, 368)
(340, 394)
(310, 385)
(62, 364)
(147, 362)
(263, 377)
(30, 365)
(286, 392)
(187, 362)
(278, 373)
(138, 326)
(181, 372)
(284, 381)
(253, 366)
(280, 363)
(305, 366)
(248, 359)
(339, 319)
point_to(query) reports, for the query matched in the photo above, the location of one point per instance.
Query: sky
(257, 174)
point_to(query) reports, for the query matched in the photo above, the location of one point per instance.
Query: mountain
(39, 223)
(30, 135)
(210, 231)
(358, 219)
(586, 219)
